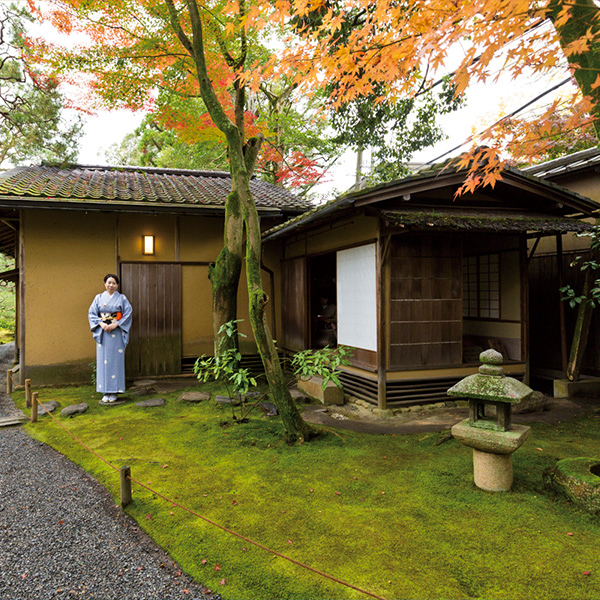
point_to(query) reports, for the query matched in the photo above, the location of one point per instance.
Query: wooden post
(28, 393)
(564, 352)
(34, 407)
(9, 381)
(125, 486)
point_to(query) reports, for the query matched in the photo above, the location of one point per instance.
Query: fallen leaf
(290, 542)
(217, 567)
(540, 449)
(222, 582)
(164, 466)
(337, 493)
(587, 573)
(234, 502)
(569, 533)
(204, 561)
(185, 591)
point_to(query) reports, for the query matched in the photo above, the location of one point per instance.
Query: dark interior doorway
(323, 293)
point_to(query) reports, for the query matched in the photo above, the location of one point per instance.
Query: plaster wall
(333, 236)
(66, 255)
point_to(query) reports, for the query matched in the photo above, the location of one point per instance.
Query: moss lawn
(395, 515)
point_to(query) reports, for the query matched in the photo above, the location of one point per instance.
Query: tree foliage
(154, 145)
(393, 49)
(133, 52)
(31, 121)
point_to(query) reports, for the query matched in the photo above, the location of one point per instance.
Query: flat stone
(118, 402)
(227, 400)
(74, 409)
(153, 402)
(50, 406)
(194, 396)
(269, 408)
(144, 383)
(578, 479)
(142, 391)
(489, 440)
(298, 395)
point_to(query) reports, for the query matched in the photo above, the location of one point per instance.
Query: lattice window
(481, 286)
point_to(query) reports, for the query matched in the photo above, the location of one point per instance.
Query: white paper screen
(357, 297)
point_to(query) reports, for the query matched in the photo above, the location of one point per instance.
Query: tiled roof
(569, 202)
(584, 159)
(486, 221)
(136, 185)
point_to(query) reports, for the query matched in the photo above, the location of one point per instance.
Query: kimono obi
(109, 317)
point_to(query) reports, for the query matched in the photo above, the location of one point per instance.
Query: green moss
(398, 516)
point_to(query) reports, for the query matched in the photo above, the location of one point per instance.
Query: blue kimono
(110, 345)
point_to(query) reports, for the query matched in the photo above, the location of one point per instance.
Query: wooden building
(551, 268)
(422, 280)
(68, 227)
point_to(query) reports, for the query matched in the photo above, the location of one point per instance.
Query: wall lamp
(148, 245)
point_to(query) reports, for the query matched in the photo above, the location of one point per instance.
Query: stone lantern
(489, 430)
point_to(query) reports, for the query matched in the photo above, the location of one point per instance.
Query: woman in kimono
(110, 320)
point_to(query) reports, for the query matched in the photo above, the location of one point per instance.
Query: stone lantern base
(492, 453)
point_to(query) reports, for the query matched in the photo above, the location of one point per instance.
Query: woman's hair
(109, 275)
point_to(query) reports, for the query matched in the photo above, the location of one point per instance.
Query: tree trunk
(297, 430)
(225, 274)
(582, 324)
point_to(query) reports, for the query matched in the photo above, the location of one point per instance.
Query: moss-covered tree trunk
(242, 159)
(584, 318)
(296, 428)
(225, 273)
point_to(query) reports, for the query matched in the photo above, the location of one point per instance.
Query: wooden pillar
(9, 381)
(125, 473)
(525, 307)
(34, 407)
(382, 248)
(561, 305)
(28, 393)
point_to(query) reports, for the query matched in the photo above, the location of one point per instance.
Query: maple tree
(32, 125)
(190, 49)
(395, 48)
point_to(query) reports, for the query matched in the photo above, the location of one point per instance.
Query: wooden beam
(382, 252)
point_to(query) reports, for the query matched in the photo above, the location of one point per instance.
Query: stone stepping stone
(227, 400)
(119, 402)
(153, 402)
(269, 408)
(194, 396)
(298, 396)
(74, 409)
(50, 406)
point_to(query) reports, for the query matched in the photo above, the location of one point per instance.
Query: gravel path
(61, 535)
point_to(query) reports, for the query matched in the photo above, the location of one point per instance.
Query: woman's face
(111, 285)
